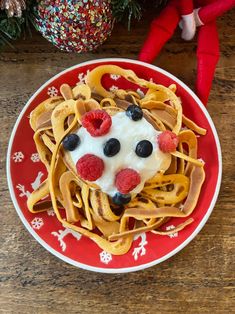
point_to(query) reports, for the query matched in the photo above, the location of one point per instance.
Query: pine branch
(12, 28)
(126, 8)
(129, 9)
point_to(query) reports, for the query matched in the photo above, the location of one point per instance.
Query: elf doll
(189, 15)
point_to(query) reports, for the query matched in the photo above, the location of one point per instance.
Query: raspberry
(126, 180)
(168, 141)
(97, 122)
(90, 167)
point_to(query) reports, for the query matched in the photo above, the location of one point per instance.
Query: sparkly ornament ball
(75, 26)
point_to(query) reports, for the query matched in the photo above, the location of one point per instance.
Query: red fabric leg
(185, 6)
(207, 58)
(161, 30)
(215, 9)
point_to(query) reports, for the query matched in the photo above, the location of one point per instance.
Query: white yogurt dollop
(129, 133)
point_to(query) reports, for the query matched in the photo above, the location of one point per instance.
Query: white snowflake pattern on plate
(140, 92)
(50, 212)
(82, 77)
(60, 234)
(181, 207)
(173, 235)
(52, 91)
(37, 223)
(23, 191)
(38, 180)
(140, 250)
(113, 88)
(115, 77)
(18, 157)
(105, 257)
(184, 128)
(35, 157)
(35, 184)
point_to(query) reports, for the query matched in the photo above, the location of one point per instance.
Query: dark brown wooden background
(199, 279)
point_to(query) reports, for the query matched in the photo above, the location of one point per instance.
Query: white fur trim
(197, 19)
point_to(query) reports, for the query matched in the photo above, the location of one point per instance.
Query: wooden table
(199, 279)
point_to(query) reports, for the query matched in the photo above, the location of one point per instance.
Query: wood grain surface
(199, 279)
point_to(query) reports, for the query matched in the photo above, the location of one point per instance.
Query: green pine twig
(129, 9)
(126, 8)
(12, 28)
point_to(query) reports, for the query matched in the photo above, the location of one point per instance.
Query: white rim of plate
(125, 269)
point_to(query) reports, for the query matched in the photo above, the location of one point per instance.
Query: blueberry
(121, 199)
(71, 141)
(112, 147)
(144, 149)
(134, 112)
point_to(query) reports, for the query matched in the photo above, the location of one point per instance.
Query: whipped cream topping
(129, 133)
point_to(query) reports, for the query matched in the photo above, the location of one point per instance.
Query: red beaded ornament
(75, 26)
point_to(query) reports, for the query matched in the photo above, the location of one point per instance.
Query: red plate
(25, 172)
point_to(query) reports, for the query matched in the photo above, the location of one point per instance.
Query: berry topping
(168, 141)
(71, 141)
(121, 199)
(97, 122)
(144, 149)
(126, 180)
(112, 147)
(90, 167)
(134, 112)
